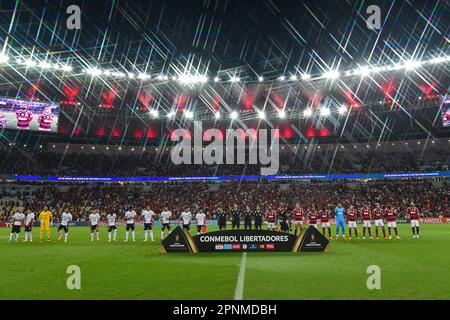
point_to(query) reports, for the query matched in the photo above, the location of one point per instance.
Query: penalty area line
(239, 292)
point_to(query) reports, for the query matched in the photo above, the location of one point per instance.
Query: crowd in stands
(431, 198)
(151, 164)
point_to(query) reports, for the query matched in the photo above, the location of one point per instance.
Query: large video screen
(28, 115)
(446, 112)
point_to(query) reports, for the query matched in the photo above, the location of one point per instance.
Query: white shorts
(298, 222)
(325, 224)
(314, 225)
(414, 223)
(379, 223)
(366, 223)
(392, 224)
(352, 224)
(271, 225)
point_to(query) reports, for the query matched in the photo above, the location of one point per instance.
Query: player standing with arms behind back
(66, 217)
(94, 219)
(148, 215)
(185, 218)
(165, 221)
(111, 218)
(45, 217)
(17, 218)
(299, 213)
(201, 220)
(339, 213)
(366, 216)
(392, 221)
(130, 215)
(29, 220)
(351, 218)
(413, 212)
(325, 222)
(258, 218)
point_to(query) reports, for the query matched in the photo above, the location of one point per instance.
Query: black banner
(180, 240)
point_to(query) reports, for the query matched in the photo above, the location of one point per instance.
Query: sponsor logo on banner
(227, 246)
(253, 246)
(236, 246)
(261, 246)
(219, 246)
(244, 246)
(270, 246)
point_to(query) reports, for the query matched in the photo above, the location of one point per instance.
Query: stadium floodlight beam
(45, 65)
(331, 74)
(143, 76)
(325, 112)
(342, 109)
(281, 114)
(363, 71)
(188, 114)
(154, 113)
(293, 77)
(235, 79)
(217, 115)
(306, 76)
(171, 114)
(216, 79)
(29, 63)
(281, 78)
(261, 114)
(3, 58)
(66, 67)
(130, 75)
(307, 112)
(260, 78)
(412, 64)
(234, 115)
(93, 71)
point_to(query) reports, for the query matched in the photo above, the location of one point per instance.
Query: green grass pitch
(410, 269)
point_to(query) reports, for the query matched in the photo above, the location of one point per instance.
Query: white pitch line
(239, 293)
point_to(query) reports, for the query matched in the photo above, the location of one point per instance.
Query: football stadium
(224, 150)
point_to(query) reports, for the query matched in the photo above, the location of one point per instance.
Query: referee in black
(248, 214)
(258, 218)
(235, 217)
(222, 219)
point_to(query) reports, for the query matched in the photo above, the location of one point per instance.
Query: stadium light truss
(332, 74)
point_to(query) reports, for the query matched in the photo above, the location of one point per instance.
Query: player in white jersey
(17, 220)
(130, 215)
(201, 220)
(111, 217)
(147, 215)
(66, 217)
(165, 221)
(94, 220)
(185, 218)
(29, 220)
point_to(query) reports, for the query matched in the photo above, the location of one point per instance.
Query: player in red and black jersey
(24, 117)
(299, 214)
(391, 217)
(313, 215)
(413, 212)
(366, 216)
(271, 218)
(45, 120)
(352, 215)
(378, 217)
(325, 216)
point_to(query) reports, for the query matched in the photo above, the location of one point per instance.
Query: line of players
(277, 219)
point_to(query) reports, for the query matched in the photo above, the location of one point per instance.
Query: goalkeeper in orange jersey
(45, 217)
